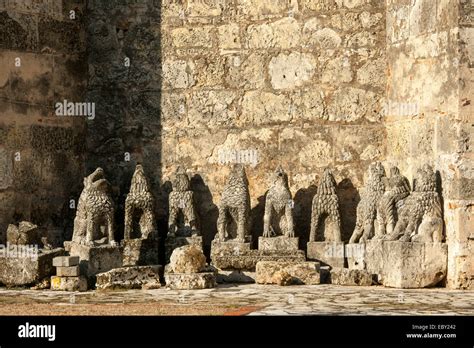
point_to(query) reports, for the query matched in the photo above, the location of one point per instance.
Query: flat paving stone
(246, 299)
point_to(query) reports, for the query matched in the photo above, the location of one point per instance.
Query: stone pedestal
(236, 261)
(134, 277)
(280, 243)
(355, 255)
(140, 252)
(21, 265)
(374, 257)
(172, 243)
(287, 273)
(408, 264)
(69, 283)
(185, 281)
(96, 259)
(229, 248)
(327, 253)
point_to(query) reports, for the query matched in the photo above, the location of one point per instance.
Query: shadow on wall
(207, 211)
(302, 213)
(256, 217)
(349, 198)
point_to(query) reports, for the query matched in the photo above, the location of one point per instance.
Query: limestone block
(283, 33)
(66, 261)
(182, 281)
(280, 243)
(25, 234)
(72, 271)
(293, 70)
(229, 37)
(352, 277)
(229, 247)
(355, 255)
(328, 253)
(374, 257)
(235, 276)
(271, 272)
(140, 252)
(69, 283)
(178, 74)
(248, 261)
(133, 277)
(187, 259)
(97, 259)
(26, 268)
(192, 37)
(172, 243)
(413, 265)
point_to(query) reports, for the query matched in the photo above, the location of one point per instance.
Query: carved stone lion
(94, 210)
(326, 206)
(235, 204)
(398, 188)
(182, 213)
(140, 205)
(421, 218)
(278, 206)
(367, 208)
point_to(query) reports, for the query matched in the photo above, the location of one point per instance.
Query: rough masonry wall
(41, 155)
(302, 82)
(430, 115)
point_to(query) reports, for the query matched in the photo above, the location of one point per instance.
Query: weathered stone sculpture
(95, 209)
(366, 210)
(235, 203)
(140, 205)
(421, 215)
(326, 206)
(391, 202)
(278, 206)
(182, 212)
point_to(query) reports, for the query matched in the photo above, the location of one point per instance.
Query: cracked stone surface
(248, 299)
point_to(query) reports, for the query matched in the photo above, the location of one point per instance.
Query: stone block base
(235, 276)
(229, 248)
(72, 271)
(353, 277)
(355, 255)
(97, 259)
(288, 273)
(140, 252)
(19, 266)
(408, 264)
(172, 243)
(66, 261)
(327, 253)
(68, 283)
(133, 277)
(280, 243)
(183, 281)
(248, 261)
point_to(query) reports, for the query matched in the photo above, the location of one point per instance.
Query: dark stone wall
(41, 154)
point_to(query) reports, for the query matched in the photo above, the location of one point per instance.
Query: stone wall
(301, 82)
(430, 56)
(41, 155)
